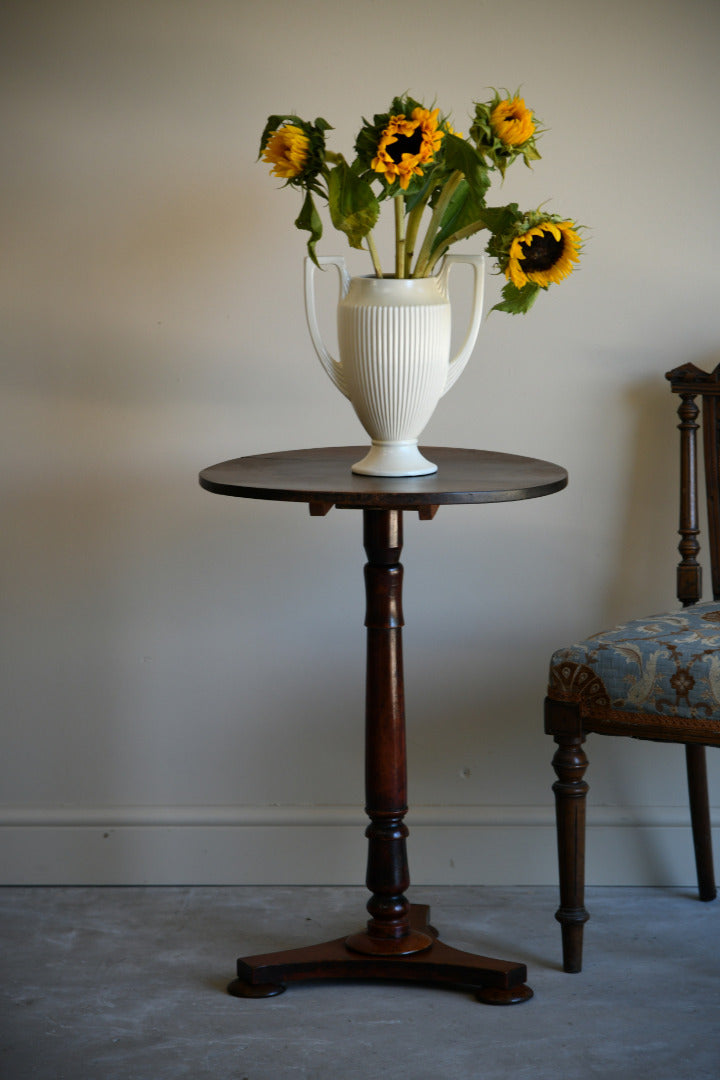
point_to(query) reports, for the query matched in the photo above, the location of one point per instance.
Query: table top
(322, 477)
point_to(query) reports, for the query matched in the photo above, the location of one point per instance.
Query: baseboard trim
(325, 845)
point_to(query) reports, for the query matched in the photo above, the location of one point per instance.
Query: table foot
(494, 982)
(491, 995)
(242, 988)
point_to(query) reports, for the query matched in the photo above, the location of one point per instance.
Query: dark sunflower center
(542, 252)
(405, 144)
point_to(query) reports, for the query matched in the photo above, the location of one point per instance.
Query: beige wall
(182, 686)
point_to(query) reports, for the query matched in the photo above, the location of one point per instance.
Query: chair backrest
(689, 382)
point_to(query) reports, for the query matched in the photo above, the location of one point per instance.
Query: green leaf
(518, 301)
(421, 194)
(500, 219)
(464, 210)
(353, 206)
(462, 156)
(310, 220)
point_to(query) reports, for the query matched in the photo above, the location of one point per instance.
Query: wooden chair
(654, 678)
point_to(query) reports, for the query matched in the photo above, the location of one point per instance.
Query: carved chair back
(690, 383)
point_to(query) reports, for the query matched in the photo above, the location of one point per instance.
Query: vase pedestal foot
(394, 459)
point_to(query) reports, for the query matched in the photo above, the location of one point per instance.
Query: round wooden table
(398, 941)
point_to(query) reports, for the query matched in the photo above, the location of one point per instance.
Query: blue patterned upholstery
(664, 665)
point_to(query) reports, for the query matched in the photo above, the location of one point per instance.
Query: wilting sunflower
(406, 144)
(287, 151)
(504, 129)
(543, 254)
(512, 121)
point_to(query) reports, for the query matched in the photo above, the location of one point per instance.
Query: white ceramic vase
(395, 365)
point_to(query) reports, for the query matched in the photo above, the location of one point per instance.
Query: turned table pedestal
(398, 941)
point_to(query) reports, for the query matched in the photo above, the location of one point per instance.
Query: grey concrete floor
(129, 984)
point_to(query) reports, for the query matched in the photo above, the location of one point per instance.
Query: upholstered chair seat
(646, 671)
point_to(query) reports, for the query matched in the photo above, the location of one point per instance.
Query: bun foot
(491, 995)
(241, 988)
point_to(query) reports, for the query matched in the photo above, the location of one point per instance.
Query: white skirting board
(450, 845)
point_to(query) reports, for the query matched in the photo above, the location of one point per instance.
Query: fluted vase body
(394, 339)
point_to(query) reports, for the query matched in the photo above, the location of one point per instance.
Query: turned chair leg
(571, 790)
(700, 818)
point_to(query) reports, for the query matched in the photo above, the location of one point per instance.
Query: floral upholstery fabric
(665, 665)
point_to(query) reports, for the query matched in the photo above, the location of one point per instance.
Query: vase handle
(477, 262)
(333, 367)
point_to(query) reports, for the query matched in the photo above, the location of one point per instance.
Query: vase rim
(394, 277)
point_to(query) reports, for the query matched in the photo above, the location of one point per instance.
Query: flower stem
(461, 234)
(422, 266)
(399, 236)
(413, 225)
(374, 255)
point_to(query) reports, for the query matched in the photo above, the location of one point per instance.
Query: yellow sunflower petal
(512, 122)
(286, 150)
(544, 254)
(406, 144)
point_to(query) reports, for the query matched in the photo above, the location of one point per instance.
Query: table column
(388, 930)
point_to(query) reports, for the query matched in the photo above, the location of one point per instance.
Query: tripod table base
(494, 982)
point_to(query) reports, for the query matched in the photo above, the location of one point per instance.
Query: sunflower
(543, 253)
(505, 129)
(287, 151)
(512, 122)
(406, 145)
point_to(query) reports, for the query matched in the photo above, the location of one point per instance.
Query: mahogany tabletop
(322, 476)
